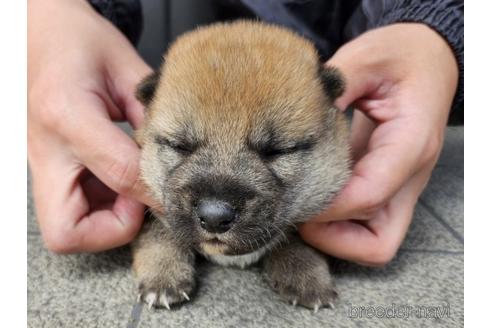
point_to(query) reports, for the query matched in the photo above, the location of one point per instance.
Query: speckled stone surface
(423, 282)
(446, 185)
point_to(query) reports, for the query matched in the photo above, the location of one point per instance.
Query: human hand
(401, 79)
(82, 74)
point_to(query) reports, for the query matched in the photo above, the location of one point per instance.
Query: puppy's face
(241, 140)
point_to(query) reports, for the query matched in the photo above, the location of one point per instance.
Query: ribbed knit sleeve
(126, 15)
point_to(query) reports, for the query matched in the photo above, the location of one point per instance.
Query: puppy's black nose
(215, 216)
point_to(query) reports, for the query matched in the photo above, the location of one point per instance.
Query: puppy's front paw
(165, 291)
(164, 269)
(301, 276)
(306, 288)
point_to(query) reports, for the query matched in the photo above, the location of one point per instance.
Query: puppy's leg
(164, 267)
(300, 275)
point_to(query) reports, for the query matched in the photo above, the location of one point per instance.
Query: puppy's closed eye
(180, 146)
(271, 151)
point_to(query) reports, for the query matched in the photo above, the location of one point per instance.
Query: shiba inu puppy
(240, 142)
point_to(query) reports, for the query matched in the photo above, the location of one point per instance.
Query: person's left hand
(402, 79)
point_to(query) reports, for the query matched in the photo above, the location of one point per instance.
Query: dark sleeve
(126, 15)
(446, 17)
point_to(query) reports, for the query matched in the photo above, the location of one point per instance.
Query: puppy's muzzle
(216, 216)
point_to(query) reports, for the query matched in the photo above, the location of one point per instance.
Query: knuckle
(123, 176)
(433, 147)
(373, 201)
(379, 257)
(54, 245)
(60, 242)
(44, 108)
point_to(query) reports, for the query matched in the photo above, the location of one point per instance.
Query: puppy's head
(241, 139)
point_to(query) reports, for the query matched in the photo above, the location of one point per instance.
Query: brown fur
(242, 112)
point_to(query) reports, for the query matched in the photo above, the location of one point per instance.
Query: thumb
(358, 81)
(125, 71)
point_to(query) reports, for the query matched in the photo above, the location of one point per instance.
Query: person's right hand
(82, 73)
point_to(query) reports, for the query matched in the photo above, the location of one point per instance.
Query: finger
(358, 82)
(125, 71)
(110, 227)
(372, 242)
(347, 240)
(108, 153)
(96, 192)
(360, 134)
(394, 155)
(67, 221)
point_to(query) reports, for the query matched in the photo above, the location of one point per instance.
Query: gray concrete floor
(97, 290)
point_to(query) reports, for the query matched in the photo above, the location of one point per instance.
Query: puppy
(241, 142)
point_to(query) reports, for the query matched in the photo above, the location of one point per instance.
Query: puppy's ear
(332, 80)
(146, 88)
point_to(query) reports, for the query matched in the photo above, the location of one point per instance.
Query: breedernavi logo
(401, 311)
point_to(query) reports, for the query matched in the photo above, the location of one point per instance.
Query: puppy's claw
(316, 308)
(294, 302)
(331, 305)
(139, 297)
(165, 302)
(185, 296)
(151, 298)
